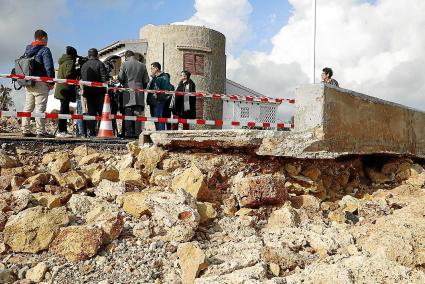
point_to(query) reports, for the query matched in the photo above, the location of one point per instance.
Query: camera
(79, 63)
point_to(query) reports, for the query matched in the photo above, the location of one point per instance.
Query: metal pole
(314, 41)
(163, 57)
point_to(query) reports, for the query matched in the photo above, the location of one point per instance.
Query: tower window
(194, 63)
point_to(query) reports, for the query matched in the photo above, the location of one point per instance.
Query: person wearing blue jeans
(81, 132)
(159, 81)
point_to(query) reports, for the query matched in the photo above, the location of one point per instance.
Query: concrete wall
(181, 38)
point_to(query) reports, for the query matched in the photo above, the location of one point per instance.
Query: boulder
(110, 190)
(77, 243)
(16, 182)
(194, 182)
(15, 201)
(255, 191)
(36, 274)
(108, 220)
(98, 172)
(34, 229)
(52, 156)
(5, 183)
(170, 165)
(37, 182)
(312, 172)
(206, 211)
(89, 159)
(61, 164)
(3, 220)
(83, 150)
(175, 215)
(160, 178)
(7, 276)
(7, 161)
(133, 148)
(283, 217)
(132, 176)
(134, 203)
(126, 161)
(48, 200)
(80, 205)
(74, 180)
(192, 261)
(148, 159)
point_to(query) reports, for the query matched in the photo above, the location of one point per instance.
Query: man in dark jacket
(184, 106)
(157, 101)
(133, 74)
(37, 94)
(94, 71)
(63, 92)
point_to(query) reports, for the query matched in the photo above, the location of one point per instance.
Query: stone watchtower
(199, 50)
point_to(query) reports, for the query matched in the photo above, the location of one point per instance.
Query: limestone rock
(253, 274)
(230, 206)
(110, 221)
(5, 183)
(193, 181)
(275, 269)
(378, 177)
(104, 173)
(143, 230)
(126, 162)
(77, 243)
(293, 169)
(7, 276)
(133, 148)
(7, 161)
(206, 211)
(36, 274)
(134, 203)
(148, 159)
(83, 150)
(3, 220)
(74, 180)
(32, 230)
(255, 191)
(175, 215)
(35, 183)
(15, 201)
(192, 260)
(170, 165)
(48, 200)
(110, 190)
(80, 205)
(16, 182)
(51, 157)
(132, 176)
(89, 159)
(61, 164)
(312, 172)
(283, 217)
(160, 178)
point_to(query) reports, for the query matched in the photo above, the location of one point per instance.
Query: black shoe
(28, 134)
(45, 135)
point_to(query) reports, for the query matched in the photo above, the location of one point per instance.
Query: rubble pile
(155, 216)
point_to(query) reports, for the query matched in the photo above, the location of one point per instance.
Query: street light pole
(314, 41)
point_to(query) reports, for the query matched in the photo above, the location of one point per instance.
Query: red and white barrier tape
(105, 85)
(144, 119)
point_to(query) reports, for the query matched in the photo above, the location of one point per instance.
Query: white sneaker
(63, 135)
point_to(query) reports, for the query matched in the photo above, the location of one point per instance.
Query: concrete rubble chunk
(192, 261)
(7, 162)
(260, 190)
(37, 273)
(34, 229)
(132, 176)
(194, 182)
(110, 221)
(148, 159)
(175, 215)
(77, 243)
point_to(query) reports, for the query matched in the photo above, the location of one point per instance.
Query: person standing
(327, 77)
(94, 71)
(63, 92)
(184, 106)
(157, 101)
(133, 74)
(37, 94)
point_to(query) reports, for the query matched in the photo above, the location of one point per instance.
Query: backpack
(24, 66)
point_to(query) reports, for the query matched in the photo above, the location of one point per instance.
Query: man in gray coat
(133, 74)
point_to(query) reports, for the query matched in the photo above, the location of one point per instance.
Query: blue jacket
(44, 58)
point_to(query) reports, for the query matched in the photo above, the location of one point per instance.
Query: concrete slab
(330, 122)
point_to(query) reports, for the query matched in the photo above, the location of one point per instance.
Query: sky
(375, 47)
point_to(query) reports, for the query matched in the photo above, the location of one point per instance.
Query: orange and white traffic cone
(105, 129)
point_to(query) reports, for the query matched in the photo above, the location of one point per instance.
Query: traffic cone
(105, 129)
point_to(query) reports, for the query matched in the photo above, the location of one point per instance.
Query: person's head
(327, 73)
(155, 68)
(139, 57)
(41, 35)
(71, 51)
(128, 54)
(92, 53)
(185, 75)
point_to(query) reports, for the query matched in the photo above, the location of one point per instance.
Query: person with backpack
(63, 92)
(37, 92)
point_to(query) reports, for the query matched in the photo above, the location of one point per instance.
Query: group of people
(133, 75)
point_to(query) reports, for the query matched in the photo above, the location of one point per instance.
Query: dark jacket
(178, 109)
(159, 82)
(66, 71)
(94, 71)
(43, 57)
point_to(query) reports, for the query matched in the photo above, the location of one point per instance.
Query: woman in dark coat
(66, 93)
(184, 106)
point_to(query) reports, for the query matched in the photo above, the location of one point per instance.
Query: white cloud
(228, 17)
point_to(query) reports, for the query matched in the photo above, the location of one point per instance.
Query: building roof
(245, 91)
(118, 44)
